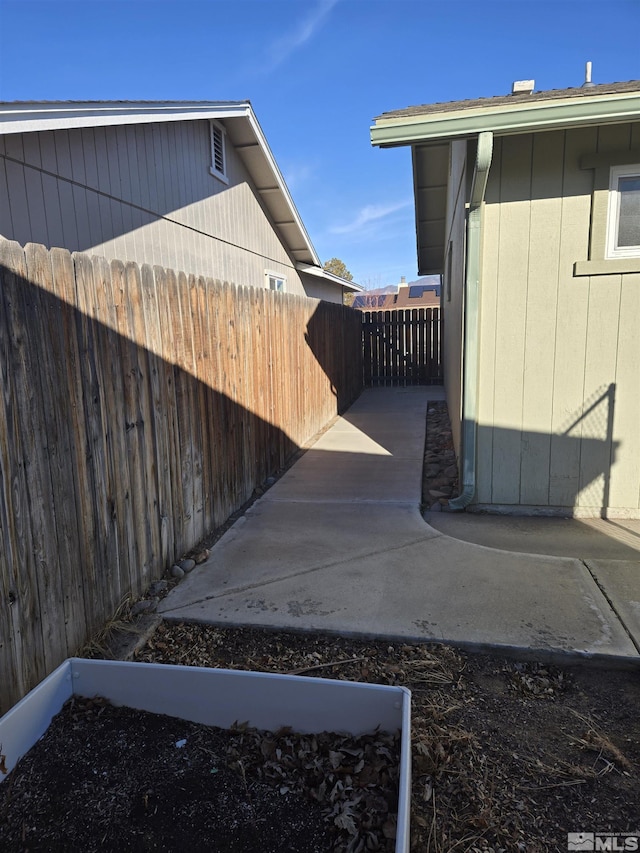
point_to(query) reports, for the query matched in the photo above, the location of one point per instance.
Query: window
(218, 152)
(614, 237)
(275, 281)
(623, 221)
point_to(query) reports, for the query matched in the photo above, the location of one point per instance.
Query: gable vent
(218, 152)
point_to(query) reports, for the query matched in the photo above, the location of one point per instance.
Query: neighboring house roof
(243, 130)
(418, 296)
(429, 128)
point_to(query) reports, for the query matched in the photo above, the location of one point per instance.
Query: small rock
(157, 587)
(143, 606)
(177, 572)
(437, 494)
(437, 482)
(201, 556)
(187, 565)
(436, 507)
(451, 471)
(270, 481)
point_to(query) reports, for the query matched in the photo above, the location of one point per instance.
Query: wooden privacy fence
(402, 347)
(140, 407)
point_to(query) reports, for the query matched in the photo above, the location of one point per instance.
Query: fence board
(402, 347)
(139, 408)
(22, 646)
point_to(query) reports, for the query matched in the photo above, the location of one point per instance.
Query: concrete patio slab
(620, 582)
(275, 541)
(339, 545)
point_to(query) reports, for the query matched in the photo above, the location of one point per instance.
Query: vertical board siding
(515, 220)
(141, 193)
(140, 407)
(541, 307)
(559, 372)
(402, 347)
(571, 322)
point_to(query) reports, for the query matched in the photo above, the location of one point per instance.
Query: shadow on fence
(140, 408)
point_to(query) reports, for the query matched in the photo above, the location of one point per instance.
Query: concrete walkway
(338, 545)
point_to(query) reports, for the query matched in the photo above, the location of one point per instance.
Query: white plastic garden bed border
(220, 697)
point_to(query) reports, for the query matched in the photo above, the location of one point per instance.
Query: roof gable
(242, 128)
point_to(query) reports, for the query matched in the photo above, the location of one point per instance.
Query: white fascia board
(29, 118)
(319, 272)
(506, 119)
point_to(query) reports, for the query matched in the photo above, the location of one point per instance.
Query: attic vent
(523, 87)
(218, 152)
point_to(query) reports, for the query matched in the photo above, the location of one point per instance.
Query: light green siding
(559, 378)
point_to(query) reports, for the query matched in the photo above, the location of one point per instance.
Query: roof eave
(320, 272)
(505, 120)
(27, 117)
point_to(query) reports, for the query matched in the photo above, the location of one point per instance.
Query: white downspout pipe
(471, 323)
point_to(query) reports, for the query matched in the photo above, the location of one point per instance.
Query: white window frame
(217, 130)
(275, 281)
(612, 250)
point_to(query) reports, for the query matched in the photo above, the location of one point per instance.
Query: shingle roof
(521, 98)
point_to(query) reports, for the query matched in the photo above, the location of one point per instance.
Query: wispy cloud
(297, 174)
(368, 214)
(282, 48)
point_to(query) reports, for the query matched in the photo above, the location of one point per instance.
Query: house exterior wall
(451, 298)
(140, 193)
(315, 288)
(559, 353)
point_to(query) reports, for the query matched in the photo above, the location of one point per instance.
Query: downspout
(471, 323)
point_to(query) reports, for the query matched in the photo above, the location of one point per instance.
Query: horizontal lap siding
(140, 407)
(559, 375)
(140, 193)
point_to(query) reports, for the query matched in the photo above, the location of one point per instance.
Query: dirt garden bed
(104, 778)
(507, 755)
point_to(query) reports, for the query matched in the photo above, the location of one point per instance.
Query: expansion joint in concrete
(636, 645)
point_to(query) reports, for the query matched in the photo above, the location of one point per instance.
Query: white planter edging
(220, 697)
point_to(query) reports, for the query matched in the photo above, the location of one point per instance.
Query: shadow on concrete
(593, 538)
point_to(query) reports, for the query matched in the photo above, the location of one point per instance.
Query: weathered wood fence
(402, 347)
(140, 407)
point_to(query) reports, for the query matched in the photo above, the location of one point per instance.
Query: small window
(623, 220)
(218, 152)
(276, 282)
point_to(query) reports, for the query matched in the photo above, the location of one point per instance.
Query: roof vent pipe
(587, 77)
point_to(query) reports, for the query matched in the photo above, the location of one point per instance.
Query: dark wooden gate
(402, 347)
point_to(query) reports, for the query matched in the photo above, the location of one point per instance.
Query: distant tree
(337, 267)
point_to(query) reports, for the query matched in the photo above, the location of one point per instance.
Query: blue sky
(317, 72)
